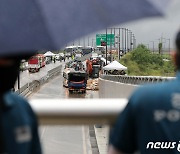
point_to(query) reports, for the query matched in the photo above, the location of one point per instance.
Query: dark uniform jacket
(150, 122)
(19, 129)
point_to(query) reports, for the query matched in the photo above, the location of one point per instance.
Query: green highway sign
(102, 38)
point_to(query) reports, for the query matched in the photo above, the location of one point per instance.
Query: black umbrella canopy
(30, 25)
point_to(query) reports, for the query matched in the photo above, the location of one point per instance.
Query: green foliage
(142, 62)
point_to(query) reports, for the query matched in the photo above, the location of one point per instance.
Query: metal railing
(32, 86)
(135, 80)
(77, 111)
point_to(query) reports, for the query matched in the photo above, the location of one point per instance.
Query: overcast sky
(151, 29)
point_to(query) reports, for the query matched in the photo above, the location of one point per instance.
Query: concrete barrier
(112, 89)
(122, 86)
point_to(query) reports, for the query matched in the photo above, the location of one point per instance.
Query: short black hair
(178, 41)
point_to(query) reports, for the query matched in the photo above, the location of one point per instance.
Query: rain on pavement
(63, 139)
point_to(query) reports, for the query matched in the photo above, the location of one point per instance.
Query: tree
(141, 61)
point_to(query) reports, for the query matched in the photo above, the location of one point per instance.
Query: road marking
(84, 140)
(43, 131)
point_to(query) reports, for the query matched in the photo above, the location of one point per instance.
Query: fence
(135, 80)
(32, 86)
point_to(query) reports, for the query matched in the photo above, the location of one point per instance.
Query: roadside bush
(143, 62)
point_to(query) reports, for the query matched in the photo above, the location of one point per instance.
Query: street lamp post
(169, 45)
(106, 46)
(114, 36)
(147, 45)
(126, 43)
(79, 42)
(119, 43)
(88, 40)
(111, 45)
(130, 40)
(93, 42)
(153, 45)
(125, 40)
(83, 41)
(122, 39)
(135, 42)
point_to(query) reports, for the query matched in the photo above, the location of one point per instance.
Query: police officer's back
(150, 122)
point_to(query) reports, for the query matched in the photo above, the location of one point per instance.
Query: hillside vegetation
(142, 62)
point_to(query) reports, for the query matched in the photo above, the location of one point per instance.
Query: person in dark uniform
(18, 122)
(150, 123)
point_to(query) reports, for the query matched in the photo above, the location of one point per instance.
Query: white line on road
(84, 140)
(44, 128)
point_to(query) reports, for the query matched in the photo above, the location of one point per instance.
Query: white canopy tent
(49, 53)
(104, 60)
(114, 66)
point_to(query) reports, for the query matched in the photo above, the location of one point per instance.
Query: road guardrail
(77, 111)
(135, 80)
(34, 85)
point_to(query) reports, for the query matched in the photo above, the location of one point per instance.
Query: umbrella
(114, 66)
(31, 25)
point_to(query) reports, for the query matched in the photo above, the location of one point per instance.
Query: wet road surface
(63, 139)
